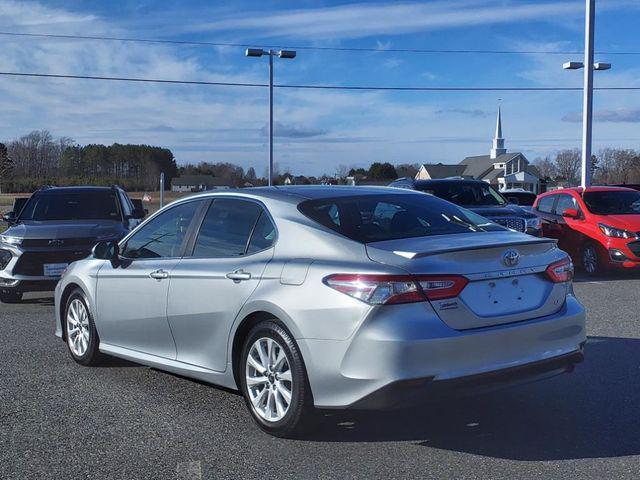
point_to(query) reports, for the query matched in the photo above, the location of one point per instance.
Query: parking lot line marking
(189, 471)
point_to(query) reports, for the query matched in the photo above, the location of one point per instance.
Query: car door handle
(239, 275)
(159, 274)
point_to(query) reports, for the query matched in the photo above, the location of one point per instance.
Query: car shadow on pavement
(45, 301)
(590, 413)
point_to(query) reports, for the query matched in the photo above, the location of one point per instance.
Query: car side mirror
(138, 213)
(107, 251)
(9, 217)
(571, 213)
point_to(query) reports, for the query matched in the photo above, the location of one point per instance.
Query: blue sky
(319, 130)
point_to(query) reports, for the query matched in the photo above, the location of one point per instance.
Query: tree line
(608, 167)
(40, 159)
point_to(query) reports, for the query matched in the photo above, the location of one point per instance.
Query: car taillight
(561, 271)
(395, 289)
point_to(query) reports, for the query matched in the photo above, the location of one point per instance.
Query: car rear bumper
(410, 347)
(407, 393)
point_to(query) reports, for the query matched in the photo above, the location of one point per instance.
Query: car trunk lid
(506, 273)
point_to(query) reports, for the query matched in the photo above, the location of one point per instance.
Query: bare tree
(342, 171)
(6, 164)
(618, 166)
(38, 154)
(546, 167)
(567, 163)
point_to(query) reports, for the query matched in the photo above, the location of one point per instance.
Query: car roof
(516, 190)
(297, 193)
(463, 181)
(597, 188)
(75, 188)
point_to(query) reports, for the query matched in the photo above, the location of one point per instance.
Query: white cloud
(32, 15)
(370, 19)
(321, 128)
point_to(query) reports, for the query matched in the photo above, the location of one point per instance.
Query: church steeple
(498, 141)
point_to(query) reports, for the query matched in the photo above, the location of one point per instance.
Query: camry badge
(511, 258)
(56, 242)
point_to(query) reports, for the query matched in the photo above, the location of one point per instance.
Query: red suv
(598, 226)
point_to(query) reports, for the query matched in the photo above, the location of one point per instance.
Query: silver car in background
(309, 298)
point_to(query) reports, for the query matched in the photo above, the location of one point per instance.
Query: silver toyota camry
(307, 298)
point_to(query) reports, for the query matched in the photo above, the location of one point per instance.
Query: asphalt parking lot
(60, 420)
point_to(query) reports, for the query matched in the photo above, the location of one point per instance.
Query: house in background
(499, 168)
(198, 183)
(429, 171)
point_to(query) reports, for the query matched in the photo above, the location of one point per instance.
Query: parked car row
(480, 198)
(599, 227)
(307, 298)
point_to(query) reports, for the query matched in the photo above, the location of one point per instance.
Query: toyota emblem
(511, 258)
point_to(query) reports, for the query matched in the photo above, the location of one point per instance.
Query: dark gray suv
(57, 226)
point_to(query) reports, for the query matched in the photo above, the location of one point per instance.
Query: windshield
(613, 203)
(70, 205)
(378, 218)
(465, 194)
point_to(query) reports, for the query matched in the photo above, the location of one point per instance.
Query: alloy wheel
(590, 259)
(269, 380)
(78, 333)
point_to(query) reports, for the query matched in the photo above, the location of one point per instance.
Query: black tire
(590, 260)
(91, 355)
(8, 296)
(300, 416)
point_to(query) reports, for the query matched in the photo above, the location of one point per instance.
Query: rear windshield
(370, 218)
(465, 194)
(613, 203)
(69, 205)
(523, 198)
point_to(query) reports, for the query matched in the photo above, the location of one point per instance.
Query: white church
(502, 169)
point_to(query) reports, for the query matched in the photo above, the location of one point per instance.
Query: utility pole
(258, 52)
(587, 95)
(270, 117)
(162, 190)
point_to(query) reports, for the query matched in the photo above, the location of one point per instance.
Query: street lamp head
(572, 65)
(254, 52)
(287, 54)
(601, 66)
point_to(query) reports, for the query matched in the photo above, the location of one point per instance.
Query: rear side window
(263, 236)
(545, 204)
(370, 218)
(226, 228)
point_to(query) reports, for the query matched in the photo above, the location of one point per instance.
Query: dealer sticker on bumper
(54, 269)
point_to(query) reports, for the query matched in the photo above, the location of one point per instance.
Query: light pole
(587, 95)
(258, 52)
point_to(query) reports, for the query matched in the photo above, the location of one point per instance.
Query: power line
(310, 47)
(132, 79)
(311, 87)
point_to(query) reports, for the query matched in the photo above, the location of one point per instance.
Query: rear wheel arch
(244, 328)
